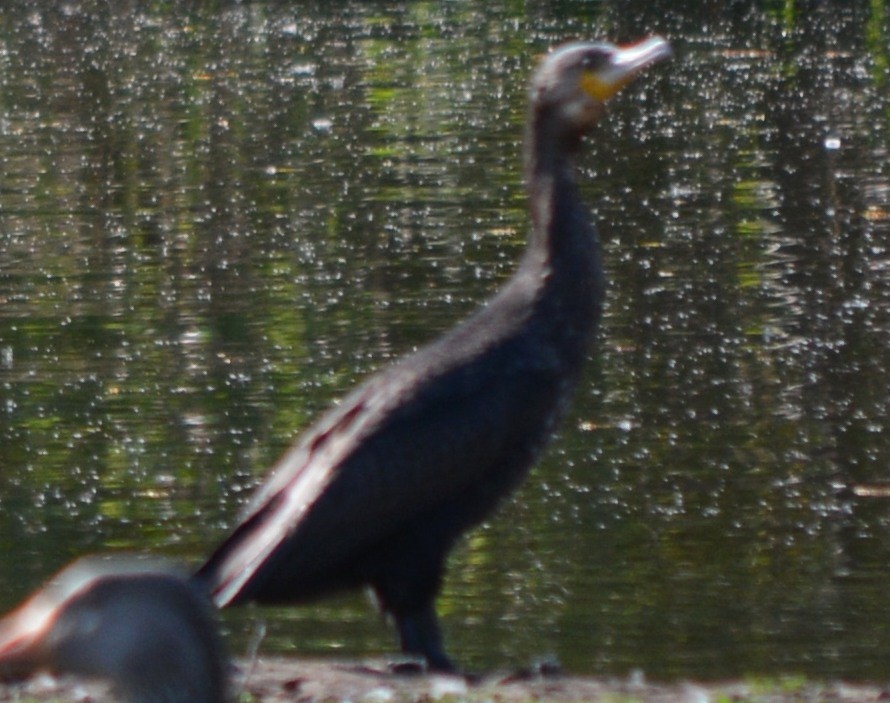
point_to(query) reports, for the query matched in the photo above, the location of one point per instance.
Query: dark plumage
(379, 489)
(134, 623)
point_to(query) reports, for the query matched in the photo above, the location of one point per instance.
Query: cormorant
(378, 490)
(140, 625)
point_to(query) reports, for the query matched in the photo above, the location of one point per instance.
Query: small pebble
(443, 686)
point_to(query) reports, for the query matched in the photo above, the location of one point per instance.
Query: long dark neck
(564, 248)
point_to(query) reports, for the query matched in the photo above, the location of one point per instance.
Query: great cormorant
(378, 490)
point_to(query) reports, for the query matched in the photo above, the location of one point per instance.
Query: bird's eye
(594, 60)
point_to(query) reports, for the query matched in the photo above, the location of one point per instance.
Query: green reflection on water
(213, 224)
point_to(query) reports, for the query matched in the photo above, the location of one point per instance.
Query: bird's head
(140, 626)
(574, 81)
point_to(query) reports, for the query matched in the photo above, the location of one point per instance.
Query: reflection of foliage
(213, 223)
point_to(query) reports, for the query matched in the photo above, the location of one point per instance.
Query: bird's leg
(419, 635)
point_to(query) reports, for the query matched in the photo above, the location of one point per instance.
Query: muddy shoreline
(280, 679)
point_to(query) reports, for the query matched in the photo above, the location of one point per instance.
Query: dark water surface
(213, 222)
